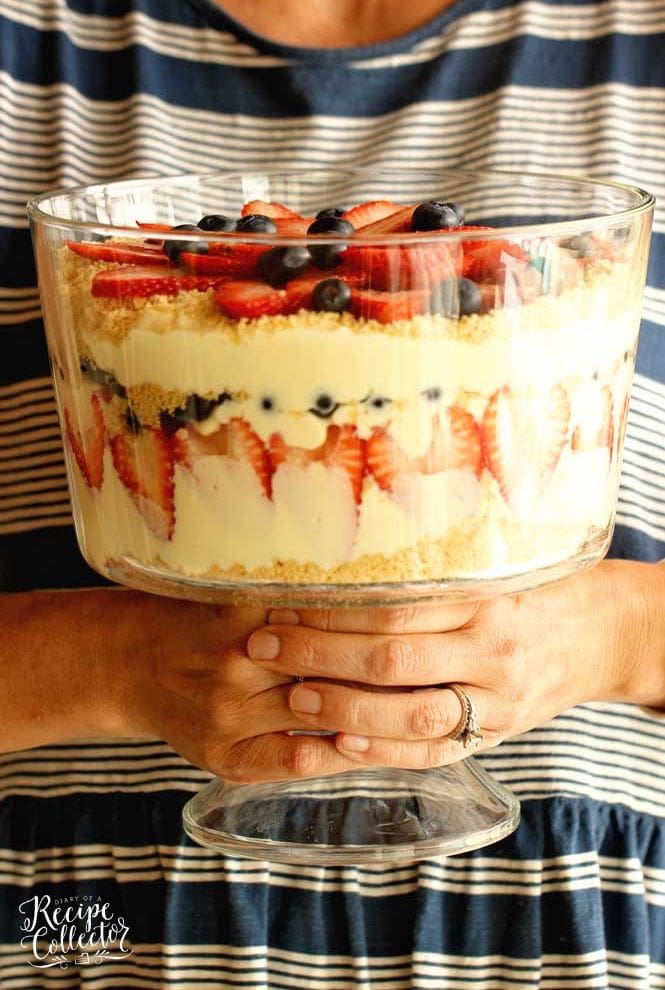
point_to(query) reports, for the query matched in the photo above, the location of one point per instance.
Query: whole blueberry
(330, 211)
(216, 221)
(433, 215)
(459, 210)
(324, 405)
(328, 255)
(256, 223)
(456, 297)
(331, 225)
(279, 265)
(331, 296)
(173, 249)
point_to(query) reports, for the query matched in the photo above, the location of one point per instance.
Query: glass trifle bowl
(270, 398)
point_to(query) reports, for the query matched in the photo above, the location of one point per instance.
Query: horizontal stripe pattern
(219, 967)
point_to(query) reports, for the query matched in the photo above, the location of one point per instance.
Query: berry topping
(400, 267)
(433, 215)
(394, 223)
(523, 436)
(256, 223)
(366, 213)
(457, 297)
(249, 299)
(173, 249)
(332, 225)
(388, 306)
(330, 211)
(324, 406)
(459, 210)
(144, 464)
(275, 211)
(486, 261)
(119, 282)
(342, 448)
(125, 254)
(86, 433)
(329, 255)
(332, 295)
(216, 221)
(292, 226)
(278, 265)
(226, 259)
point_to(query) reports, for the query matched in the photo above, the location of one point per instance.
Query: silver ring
(467, 730)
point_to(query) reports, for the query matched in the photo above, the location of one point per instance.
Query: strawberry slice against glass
(86, 433)
(342, 449)
(456, 445)
(276, 211)
(144, 464)
(523, 436)
(117, 283)
(126, 254)
(364, 214)
(235, 439)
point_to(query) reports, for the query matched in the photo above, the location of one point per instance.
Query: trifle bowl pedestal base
(361, 816)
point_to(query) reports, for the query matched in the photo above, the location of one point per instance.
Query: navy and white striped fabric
(96, 89)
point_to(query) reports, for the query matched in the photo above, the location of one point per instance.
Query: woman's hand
(120, 664)
(521, 658)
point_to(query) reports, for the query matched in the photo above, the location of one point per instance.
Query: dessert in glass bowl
(345, 387)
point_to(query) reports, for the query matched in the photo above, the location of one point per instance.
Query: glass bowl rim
(644, 204)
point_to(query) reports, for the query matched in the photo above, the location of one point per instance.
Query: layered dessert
(394, 396)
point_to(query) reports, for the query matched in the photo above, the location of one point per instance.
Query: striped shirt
(91, 90)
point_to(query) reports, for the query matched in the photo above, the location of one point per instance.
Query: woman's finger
(400, 661)
(407, 715)
(388, 621)
(277, 756)
(407, 755)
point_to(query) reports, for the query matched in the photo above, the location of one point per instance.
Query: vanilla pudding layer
(429, 528)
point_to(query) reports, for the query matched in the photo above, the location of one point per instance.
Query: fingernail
(262, 646)
(283, 617)
(305, 700)
(355, 744)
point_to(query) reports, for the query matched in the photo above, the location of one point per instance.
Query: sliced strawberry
(235, 263)
(121, 282)
(456, 444)
(394, 223)
(486, 261)
(342, 448)
(159, 228)
(144, 463)
(126, 254)
(87, 444)
(293, 226)
(597, 430)
(275, 211)
(299, 290)
(387, 307)
(366, 213)
(249, 299)
(386, 460)
(234, 439)
(523, 436)
(395, 269)
(238, 260)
